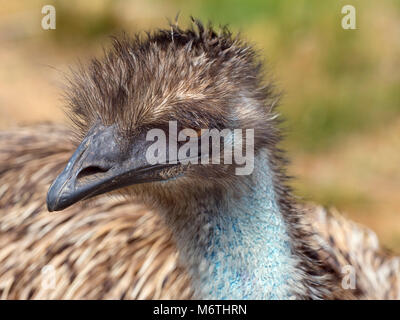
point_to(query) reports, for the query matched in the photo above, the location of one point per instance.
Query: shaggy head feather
(201, 79)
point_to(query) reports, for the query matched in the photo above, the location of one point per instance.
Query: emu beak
(98, 166)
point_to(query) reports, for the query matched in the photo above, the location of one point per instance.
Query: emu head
(196, 79)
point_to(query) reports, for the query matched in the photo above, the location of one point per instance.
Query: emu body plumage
(111, 249)
(116, 249)
(220, 223)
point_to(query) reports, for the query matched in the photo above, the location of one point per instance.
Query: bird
(111, 249)
(132, 229)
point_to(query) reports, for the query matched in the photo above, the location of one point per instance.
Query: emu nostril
(90, 171)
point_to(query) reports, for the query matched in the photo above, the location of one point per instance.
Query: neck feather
(239, 247)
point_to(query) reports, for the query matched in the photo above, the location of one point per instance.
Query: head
(194, 79)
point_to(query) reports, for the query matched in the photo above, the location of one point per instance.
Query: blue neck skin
(241, 249)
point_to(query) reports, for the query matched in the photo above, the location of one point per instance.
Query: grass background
(341, 87)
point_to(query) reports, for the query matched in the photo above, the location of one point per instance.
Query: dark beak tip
(55, 203)
(51, 200)
(55, 198)
(50, 205)
(97, 166)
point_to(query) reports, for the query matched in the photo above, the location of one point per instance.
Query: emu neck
(239, 248)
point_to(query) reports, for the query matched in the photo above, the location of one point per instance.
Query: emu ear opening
(100, 165)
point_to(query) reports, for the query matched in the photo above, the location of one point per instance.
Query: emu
(205, 232)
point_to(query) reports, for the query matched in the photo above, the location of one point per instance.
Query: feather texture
(352, 249)
(115, 249)
(109, 249)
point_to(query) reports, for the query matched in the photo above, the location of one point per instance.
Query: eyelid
(189, 132)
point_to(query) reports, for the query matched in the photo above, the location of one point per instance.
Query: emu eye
(192, 133)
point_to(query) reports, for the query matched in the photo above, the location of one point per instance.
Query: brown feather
(346, 244)
(113, 248)
(109, 249)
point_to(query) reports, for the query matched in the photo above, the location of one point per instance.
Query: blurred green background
(341, 87)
